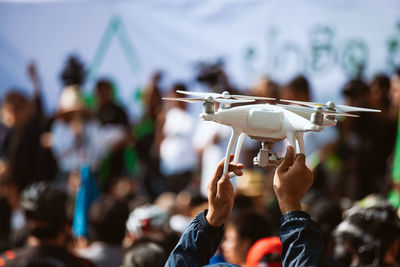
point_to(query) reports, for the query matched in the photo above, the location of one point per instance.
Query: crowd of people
(89, 186)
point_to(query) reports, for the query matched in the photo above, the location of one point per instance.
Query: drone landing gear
(235, 135)
(265, 158)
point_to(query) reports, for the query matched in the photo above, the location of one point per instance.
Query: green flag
(396, 160)
(394, 195)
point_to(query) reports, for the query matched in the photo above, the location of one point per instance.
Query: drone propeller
(222, 101)
(224, 95)
(331, 105)
(188, 100)
(308, 110)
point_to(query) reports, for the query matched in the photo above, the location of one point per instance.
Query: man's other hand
(221, 194)
(291, 181)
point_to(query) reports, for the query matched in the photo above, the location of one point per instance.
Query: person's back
(107, 221)
(42, 256)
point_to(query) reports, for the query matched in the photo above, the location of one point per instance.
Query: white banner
(128, 40)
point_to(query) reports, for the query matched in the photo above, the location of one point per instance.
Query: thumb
(288, 160)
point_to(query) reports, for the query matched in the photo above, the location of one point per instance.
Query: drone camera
(265, 158)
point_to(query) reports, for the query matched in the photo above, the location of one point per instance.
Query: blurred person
(385, 125)
(297, 89)
(210, 140)
(327, 213)
(265, 252)
(21, 144)
(10, 190)
(369, 234)
(144, 134)
(45, 211)
(241, 232)
(73, 72)
(379, 95)
(214, 77)
(148, 221)
(355, 164)
(5, 224)
(145, 253)
(107, 220)
(265, 87)
(76, 138)
(255, 186)
(369, 147)
(108, 112)
(394, 94)
(177, 156)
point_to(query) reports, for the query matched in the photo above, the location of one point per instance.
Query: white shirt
(176, 150)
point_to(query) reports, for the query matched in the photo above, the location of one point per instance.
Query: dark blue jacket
(302, 241)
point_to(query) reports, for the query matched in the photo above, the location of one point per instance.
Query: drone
(267, 123)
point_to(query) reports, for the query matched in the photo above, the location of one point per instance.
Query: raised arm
(302, 241)
(200, 240)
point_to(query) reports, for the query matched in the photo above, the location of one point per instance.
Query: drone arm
(300, 141)
(232, 140)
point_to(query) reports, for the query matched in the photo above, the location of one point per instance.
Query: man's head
(297, 89)
(368, 231)
(15, 109)
(104, 91)
(107, 220)
(241, 232)
(44, 206)
(146, 253)
(356, 93)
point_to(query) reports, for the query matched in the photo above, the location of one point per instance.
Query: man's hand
(221, 194)
(291, 181)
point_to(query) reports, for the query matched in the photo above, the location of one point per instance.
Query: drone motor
(317, 117)
(208, 105)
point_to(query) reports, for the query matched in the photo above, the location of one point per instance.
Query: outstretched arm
(201, 239)
(302, 241)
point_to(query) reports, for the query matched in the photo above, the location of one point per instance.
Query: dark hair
(44, 205)
(104, 84)
(17, 100)
(251, 225)
(382, 81)
(300, 85)
(370, 231)
(146, 253)
(107, 220)
(73, 72)
(179, 86)
(355, 88)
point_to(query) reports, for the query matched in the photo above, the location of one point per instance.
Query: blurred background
(80, 93)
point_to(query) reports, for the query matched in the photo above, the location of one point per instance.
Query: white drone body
(265, 122)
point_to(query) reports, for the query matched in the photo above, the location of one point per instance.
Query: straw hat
(70, 100)
(251, 184)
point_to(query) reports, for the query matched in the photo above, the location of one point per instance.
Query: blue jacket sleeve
(197, 244)
(302, 241)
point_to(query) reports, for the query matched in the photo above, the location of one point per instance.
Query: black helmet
(369, 228)
(44, 205)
